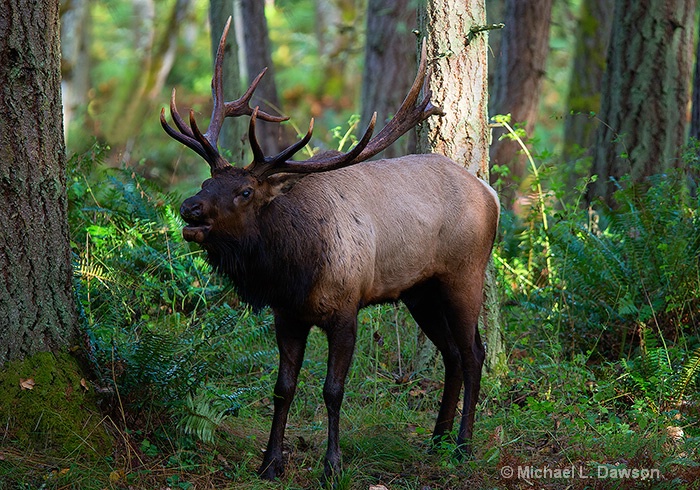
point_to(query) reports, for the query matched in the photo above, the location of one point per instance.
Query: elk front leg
(341, 344)
(291, 341)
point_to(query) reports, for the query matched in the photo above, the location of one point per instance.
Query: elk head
(229, 202)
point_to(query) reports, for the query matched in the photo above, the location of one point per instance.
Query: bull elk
(317, 240)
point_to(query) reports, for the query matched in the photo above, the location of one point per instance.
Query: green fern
(688, 377)
(156, 320)
(202, 418)
(627, 272)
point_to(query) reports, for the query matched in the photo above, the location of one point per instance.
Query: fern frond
(688, 376)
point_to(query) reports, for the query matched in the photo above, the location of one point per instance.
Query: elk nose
(191, 210)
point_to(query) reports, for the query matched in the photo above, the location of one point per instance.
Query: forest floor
(546, 423)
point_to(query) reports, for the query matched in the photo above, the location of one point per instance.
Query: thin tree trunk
(495, 14)
(258, 55)
(158, 56)
(592, 38)
(337, 27)
(695, 112)
(233, 130)
(75, 59)
(37, 308)
(521, 62)
(459, 83)
(645, 92)
(119, 127)
(390, 65)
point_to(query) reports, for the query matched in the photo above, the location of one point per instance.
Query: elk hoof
(331, 472)
(463, 452)
(271, 469)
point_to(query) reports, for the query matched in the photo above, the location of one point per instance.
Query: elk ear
(280, 184)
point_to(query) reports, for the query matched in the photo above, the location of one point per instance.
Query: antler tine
(211, 153)
(206, 144)
(218, 112)
(281, 163)
(234, 108)
(263, 166)
(185, 136)
(241, 106)
(409, 114)
(258, 155)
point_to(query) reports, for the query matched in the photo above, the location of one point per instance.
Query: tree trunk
(390, 65)
(37, 309)
(695, 112)
(233, 130)
(120, 126)
(592, 38)
(495, 14)
(75, 59)
(521, 63)
(459, 83)
(258, 56)
(645, 92)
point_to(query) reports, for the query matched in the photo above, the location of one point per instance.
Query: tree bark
(459, 83)
(521, 63)
(390, 65)
(592, 39)
(233, 130)
(695, 111)
(37, 308)
(645, 92)
(258, 55)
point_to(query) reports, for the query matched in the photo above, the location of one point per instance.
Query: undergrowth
(600, 319)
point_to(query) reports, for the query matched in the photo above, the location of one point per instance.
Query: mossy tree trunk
(37, 308)
(390, 66)
(459, 83)
(645, 92)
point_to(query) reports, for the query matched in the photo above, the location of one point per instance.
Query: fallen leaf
(84, 384)
(377, 487)
(26, 384)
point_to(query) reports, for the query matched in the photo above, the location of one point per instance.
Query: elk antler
(263, 166)
(206, 144)
(409, 115)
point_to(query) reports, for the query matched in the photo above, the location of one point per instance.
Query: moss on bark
(58, 415)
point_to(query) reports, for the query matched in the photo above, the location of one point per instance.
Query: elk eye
(246, 193)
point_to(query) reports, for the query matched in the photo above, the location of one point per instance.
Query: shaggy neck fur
(268, 267)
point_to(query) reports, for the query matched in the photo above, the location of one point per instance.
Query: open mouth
(196, 232)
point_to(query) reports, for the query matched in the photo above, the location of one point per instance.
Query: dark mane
(273, 272)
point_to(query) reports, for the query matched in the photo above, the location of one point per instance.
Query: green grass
(544, 413)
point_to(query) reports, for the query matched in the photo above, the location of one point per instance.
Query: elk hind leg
(463, 305)
(426, 307)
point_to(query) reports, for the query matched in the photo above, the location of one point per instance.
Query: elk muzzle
(198, 226)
